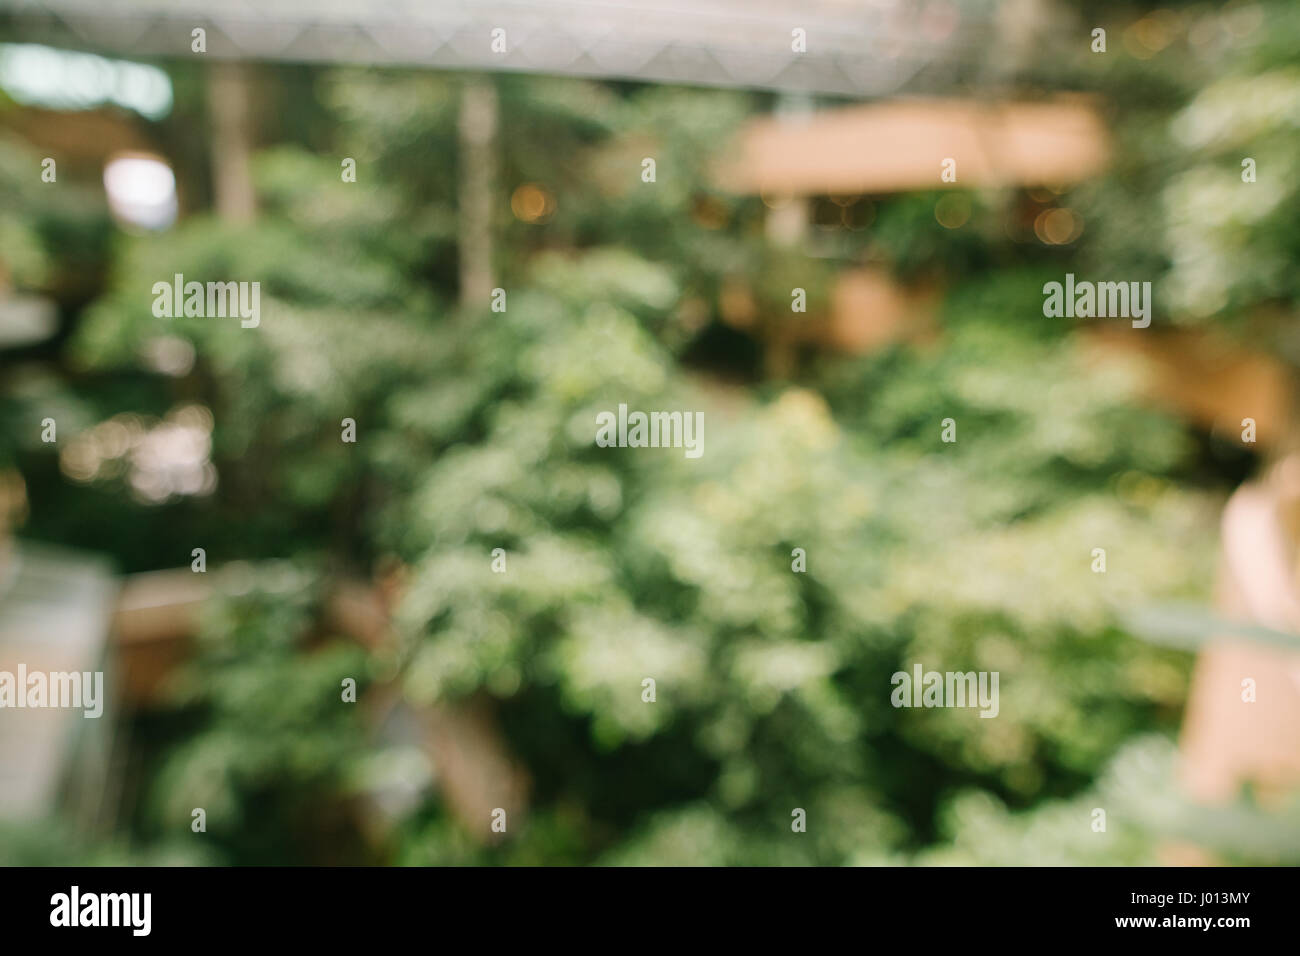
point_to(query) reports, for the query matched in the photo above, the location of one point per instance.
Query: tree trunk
(478, 130)
(229, 86)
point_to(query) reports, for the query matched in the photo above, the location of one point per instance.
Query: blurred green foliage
(476, 431)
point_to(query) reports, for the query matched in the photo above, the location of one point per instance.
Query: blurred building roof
(853, 47)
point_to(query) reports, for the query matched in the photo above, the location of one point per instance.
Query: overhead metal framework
(857, 48)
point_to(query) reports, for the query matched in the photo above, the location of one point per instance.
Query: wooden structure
(900, 145)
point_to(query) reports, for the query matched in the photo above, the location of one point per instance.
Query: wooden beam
(900, 145)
